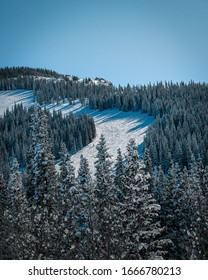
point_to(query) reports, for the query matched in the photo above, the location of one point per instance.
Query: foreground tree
(83, 228)
(66, 203)
(4, 203)
(42, 189)
(104, 199)
(141, 233)
(20, 241)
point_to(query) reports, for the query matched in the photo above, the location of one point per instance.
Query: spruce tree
(4, 203)
(198, 212)
(104, 198)
(141, 228)
(84, 212)
(120, 178)
(67, 201)
(174, 210)
(20, 241)
(42, 190)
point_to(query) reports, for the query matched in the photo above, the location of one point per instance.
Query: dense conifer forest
(153, 206)
(15, 136)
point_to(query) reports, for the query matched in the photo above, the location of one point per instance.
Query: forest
(149, 206)
(15, 136)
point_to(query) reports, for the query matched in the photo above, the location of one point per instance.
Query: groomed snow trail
(117, 127)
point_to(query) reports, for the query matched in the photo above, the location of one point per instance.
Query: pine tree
(67, 201)
(3, 196)
(41, 174)
(174, 210)
(84, 212)
(4, 201)
(141, 229)
(159, 184)
(104, 198)
(42, 190)
(120, 177)
(148, 167)
(198, 213)
(20, 242)
(31, 155)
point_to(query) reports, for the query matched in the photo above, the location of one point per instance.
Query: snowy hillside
(11, 97)
(117, 127)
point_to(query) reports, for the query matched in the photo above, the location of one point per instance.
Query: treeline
(14, 72)
(15, 136)
(48, 85)
(128, 211)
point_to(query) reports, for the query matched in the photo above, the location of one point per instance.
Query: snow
(117, 127)
(11, 97)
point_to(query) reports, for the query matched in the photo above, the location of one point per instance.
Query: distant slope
(117, 126)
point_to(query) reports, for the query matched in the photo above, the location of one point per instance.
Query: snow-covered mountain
(117, 126)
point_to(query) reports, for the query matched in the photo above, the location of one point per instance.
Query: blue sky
(132, 41)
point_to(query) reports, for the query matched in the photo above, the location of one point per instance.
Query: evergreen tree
(104, 198)
(84, 212)
(198, 213)
(174, 210)
(19, 242)
(67, 201)
(30, 185)
(4, 197)
(141, 228)
(41, 174)
(42, 184)
(120, 177)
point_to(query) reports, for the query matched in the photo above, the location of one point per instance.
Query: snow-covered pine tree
(83, 227)
(4, 201)
(29, 176)
(198, 213)
(203, 176)
(42, 189)
(159, 184)
(19, 242)
(104, 205)
(66, 202)
(45, 177)
(120, 177)
(67, 178)
(3, 197)
(174, 214)
(141, 230)
(148, 167)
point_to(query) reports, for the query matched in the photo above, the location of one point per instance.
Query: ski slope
(117, 127)
(11, 97)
